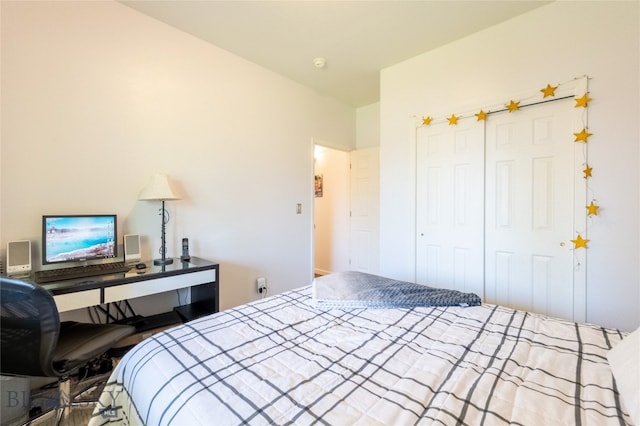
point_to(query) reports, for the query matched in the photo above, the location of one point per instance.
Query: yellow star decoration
(513, 106)
(592, 209)
(549, 91)
(587, 172)
(426, 121)
(453, 120)
(580, 242)
(582, 136)
(583, 101)
(481, 115)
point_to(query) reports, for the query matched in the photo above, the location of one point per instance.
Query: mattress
(280, 360)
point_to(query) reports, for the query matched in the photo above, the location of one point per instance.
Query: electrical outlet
(262, 284)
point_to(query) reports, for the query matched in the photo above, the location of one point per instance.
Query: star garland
(548, 94)
(580, 242)
(513, 106)
(582, 136)
(592, 209)
(549, 91)
(583, 101)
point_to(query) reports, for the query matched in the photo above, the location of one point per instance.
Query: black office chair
(35, 343)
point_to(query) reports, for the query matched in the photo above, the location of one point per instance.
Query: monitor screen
(75, 238)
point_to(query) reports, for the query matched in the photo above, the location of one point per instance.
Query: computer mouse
(140, 266)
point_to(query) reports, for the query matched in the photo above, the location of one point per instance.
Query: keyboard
(62, 274)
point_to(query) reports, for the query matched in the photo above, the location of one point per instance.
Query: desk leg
(204, 301)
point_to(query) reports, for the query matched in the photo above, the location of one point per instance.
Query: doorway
(331, 210)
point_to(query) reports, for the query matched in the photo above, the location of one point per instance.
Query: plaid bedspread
(281, 361)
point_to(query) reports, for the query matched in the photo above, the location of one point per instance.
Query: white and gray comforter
(280, 360)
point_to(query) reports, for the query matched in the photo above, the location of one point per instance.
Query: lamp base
(165, 261)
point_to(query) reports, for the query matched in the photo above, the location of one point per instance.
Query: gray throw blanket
(352, 289)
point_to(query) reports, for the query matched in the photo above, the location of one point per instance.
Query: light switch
(299, 208)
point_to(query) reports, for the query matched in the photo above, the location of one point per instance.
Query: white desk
(199, 275)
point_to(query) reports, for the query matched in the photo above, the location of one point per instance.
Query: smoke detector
(319, 62)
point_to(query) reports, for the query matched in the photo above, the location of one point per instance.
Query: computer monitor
(78, 238)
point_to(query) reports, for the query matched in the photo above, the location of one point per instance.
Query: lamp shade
(158, 188)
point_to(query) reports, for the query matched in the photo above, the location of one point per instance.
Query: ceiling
(357, 38)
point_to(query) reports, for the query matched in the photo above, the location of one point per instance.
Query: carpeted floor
(78, 415)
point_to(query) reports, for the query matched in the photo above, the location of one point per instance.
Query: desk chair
(35, 343)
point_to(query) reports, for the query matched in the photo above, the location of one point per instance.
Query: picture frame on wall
(318, 185)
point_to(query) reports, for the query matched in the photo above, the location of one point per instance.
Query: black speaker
(132, 248)
(18, 258)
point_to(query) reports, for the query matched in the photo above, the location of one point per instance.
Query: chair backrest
(30, 326)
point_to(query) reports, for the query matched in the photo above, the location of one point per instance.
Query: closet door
(450, 206)
(530, 205)
(498, 203)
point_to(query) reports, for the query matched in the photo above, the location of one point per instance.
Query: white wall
(96, 97)
(368, 126)
(551, 44)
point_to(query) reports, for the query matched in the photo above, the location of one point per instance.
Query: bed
(292, 359)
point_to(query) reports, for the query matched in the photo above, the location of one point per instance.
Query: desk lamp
(158, 189)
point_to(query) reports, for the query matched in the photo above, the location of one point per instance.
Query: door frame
(315, 142)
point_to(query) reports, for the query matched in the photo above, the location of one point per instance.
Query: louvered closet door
(450, 206)
(530, 208)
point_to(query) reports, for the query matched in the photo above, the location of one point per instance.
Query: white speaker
(132, 248)
(18, 258)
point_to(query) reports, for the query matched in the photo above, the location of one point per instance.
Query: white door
(530, 205)
(450, 206)
(365, 199)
